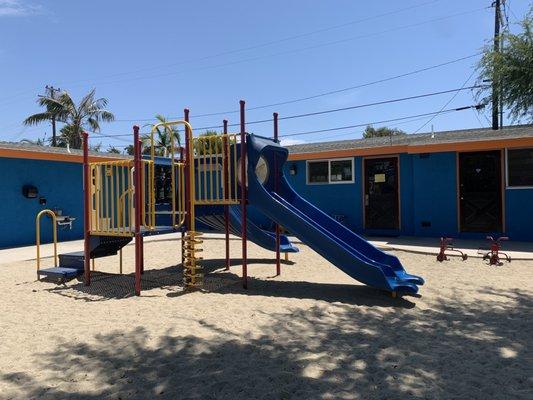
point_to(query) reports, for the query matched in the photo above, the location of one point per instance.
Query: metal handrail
(113, 181)
(38, 236)
(188, 133)
(215, 161)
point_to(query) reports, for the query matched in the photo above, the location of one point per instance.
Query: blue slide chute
(342, 247)
(213, 217)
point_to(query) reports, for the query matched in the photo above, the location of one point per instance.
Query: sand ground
(311, 333)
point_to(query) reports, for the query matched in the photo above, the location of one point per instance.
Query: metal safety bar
(178, 218)
(112, 201)
(38, 236)
(178, 187)
(216, 157)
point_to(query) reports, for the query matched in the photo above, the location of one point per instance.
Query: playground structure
(446, 245)
(213, 180)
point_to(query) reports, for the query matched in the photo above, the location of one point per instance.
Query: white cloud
(290, 142)
(18, 8)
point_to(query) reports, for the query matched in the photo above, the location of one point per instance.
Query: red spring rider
(446, 244)
(494, 254)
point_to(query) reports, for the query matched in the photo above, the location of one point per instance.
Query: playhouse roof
(464, 139)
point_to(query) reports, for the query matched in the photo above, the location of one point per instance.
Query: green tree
(207, 139)
(87, 114)
(113, 149)
(512, 70)
(371, 132)
(162, 139)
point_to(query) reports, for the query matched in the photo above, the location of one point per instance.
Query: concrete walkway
(431, 245)
(422, 245)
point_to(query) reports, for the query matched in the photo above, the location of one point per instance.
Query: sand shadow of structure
(455, 349)
(342, 293)
(112, 286)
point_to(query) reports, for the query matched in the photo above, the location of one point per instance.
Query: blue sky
(161, 56)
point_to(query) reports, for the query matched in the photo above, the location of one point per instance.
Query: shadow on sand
(458, 350)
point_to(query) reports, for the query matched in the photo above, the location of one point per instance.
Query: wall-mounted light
(293, 170)
(30, 191)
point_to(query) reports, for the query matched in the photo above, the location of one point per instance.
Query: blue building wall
(434, 195)
(59, 182)
(519, 213)
(428, 198)
(334, 199)
(428, 191)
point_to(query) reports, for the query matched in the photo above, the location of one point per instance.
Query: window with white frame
(330, 171)
(519, 168)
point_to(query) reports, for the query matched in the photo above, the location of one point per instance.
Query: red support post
(186, 185)
(276, 188)
(182, 233)
(226, 190)
(86, 210)
(244, 198)
(138, 208)
(189, 163)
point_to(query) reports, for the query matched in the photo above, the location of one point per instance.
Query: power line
(380, 122)
(328, 93)
(310, 114)
(449, 101)
(296, 50)
(407, 119)
(272, 42)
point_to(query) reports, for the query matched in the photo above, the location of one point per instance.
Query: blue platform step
(73, 260)
(61, 272)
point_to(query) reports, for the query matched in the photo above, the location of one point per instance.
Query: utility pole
(50, 91)
(495, 83)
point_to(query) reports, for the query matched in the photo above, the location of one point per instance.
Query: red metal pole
(226, 191)
(184, 188)
(186, 185)
(244, 198)
(276, 187)
(86, 210)
(189, 163)
(138, 211)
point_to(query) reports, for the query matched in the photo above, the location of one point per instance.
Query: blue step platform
(61, 272)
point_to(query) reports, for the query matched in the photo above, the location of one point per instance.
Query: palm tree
(86, 115)
(162, 138)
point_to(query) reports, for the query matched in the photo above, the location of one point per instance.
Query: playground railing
(112, 195)
(38, 236)
(216, 169)
(178, 199)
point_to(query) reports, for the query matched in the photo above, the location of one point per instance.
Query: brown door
(480, 191)
(381, 193)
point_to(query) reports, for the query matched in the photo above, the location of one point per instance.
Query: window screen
(520, 167)
(317, 172)
(341, 171)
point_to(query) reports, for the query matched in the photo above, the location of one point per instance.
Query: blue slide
(346, 250)
(213, 216)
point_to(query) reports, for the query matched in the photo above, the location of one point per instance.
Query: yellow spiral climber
(192, 275)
